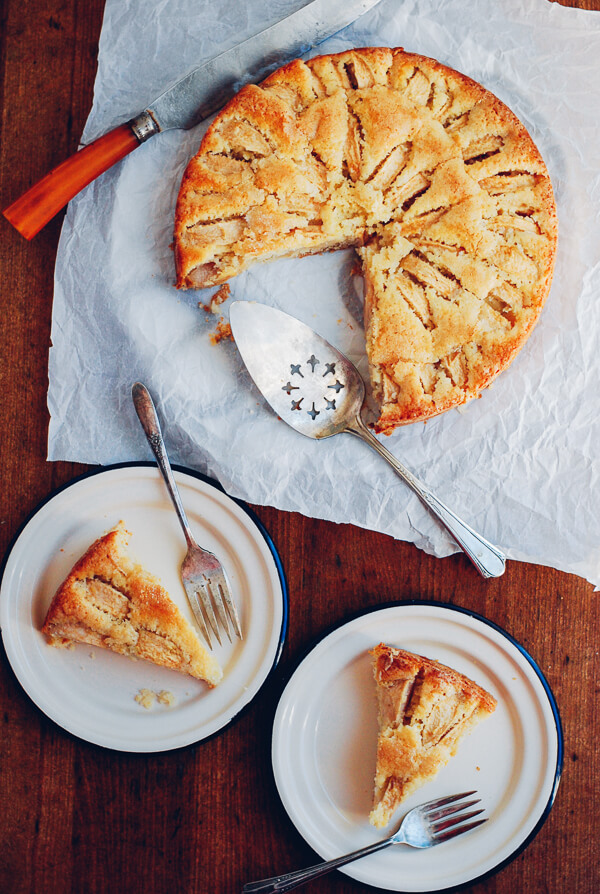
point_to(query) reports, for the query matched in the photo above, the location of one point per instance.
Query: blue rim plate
(326, 729)
(90, 692)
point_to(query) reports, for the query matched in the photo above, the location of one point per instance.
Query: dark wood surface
(77, 818)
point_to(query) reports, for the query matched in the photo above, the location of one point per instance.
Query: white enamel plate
(325, 736)
(90, 691)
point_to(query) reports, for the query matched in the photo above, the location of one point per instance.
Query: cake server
(320, 393)
(192, 99)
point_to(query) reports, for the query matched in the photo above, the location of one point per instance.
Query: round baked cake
(435, 182)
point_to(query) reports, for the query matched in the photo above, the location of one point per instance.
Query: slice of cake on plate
(424, 709)
(107, 600)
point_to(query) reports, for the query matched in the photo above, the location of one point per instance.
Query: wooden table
(75, 817)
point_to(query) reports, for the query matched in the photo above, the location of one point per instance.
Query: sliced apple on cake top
(429, 175)
(107, 600)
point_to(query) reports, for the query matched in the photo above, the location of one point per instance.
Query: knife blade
(190, 100)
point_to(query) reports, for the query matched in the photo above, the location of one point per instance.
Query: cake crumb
(92, 655)
(145, 698)
(218, 298)
(223, 331)
(165, 697)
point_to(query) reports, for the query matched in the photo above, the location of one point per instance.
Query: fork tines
(447, 817)
(458, 830)
(209, 598)
(439, 813)
(441, 802)
(225, 606)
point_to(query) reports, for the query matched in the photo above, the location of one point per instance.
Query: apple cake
(109, 601)
(430, 176)
(424, 710)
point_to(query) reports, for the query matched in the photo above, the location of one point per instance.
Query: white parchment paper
(520, 464)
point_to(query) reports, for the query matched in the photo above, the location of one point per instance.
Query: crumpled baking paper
(520, 464)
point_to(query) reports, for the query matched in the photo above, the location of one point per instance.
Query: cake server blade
(319, 392)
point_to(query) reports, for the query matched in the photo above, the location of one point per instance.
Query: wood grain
(77, 818)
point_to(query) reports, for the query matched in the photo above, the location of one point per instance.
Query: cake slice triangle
(424, 710)
(110, 601)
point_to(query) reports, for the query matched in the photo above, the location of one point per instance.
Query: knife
(192, 99)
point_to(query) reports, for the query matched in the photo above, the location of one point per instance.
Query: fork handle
(148, 417)
(280, 883)
(487, 558)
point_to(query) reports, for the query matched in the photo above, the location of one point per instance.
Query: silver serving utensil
(320, 393)
(425, 826)
(204, 578)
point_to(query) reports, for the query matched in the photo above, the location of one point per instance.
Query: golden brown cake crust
(425, 708)
(109, 601)
(391, 664)
(428, 174)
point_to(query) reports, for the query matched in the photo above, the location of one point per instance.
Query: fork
(203, 577)
(430, 823)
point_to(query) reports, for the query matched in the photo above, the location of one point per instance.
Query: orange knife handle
(38, 205)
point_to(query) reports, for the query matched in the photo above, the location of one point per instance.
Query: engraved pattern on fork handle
(487, 558)
(148, 417)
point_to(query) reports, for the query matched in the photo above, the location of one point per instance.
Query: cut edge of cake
(338, 150)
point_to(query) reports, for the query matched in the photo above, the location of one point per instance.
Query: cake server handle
(487, 558)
